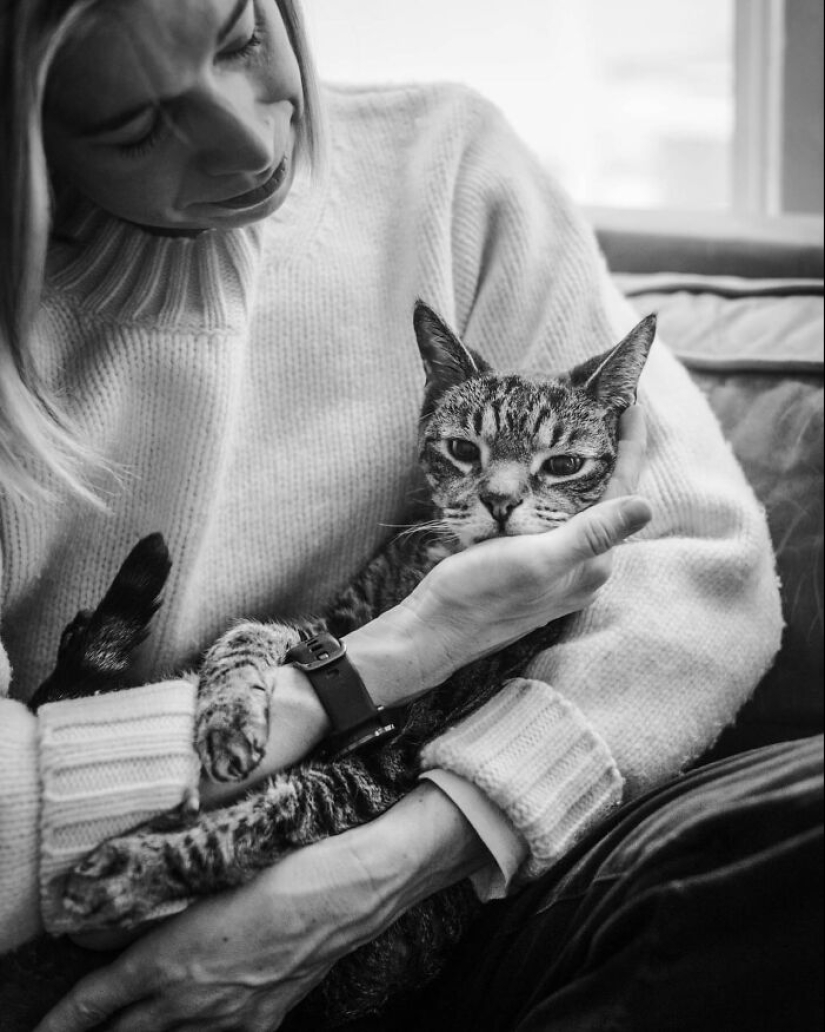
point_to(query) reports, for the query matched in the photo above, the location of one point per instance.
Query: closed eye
(244, 49)
(562, 465)
(136, 148)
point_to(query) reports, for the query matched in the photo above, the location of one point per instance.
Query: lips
(260, 193)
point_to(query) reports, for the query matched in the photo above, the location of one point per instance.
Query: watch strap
(356, 720)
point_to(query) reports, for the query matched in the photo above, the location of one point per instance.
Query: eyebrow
(123, 118)
(232, 20)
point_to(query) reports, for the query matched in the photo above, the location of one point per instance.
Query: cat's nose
(500, 506)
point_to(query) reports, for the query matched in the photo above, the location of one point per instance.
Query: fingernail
(636, 513)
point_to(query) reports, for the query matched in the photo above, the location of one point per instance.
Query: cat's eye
(562, 465)
(464, 451)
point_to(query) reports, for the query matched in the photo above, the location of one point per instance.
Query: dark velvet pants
(697, 908)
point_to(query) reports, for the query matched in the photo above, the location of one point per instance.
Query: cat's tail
(96, 647)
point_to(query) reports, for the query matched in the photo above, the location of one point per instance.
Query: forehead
(130, 51)
(507, 408)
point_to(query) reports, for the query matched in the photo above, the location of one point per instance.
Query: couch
(744, 313)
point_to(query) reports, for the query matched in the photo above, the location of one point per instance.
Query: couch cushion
(755, 349)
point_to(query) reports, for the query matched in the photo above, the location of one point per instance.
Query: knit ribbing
(205, 282)
(19, 825)
(533, 754)
(96, 786)
(120, 270)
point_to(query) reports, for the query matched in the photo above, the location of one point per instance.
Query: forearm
(421, 845)
(650, 672)
(395, 668)
(74, 774)
(106, 763)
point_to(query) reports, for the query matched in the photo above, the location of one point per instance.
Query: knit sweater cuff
(108, 763)
(535, 756)
(19, 819)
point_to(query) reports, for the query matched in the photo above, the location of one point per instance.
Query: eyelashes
(248, 48)
(161, 124)
(148, 140)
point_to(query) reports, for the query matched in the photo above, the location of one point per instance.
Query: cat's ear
(613, 376)
(446, 361)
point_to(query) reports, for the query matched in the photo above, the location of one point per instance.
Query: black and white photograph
(411, 516)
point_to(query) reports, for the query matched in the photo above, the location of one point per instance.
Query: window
(645, 104)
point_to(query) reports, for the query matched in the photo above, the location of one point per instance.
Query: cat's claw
(229, 753)
(231, 730)
(235, 681)
(112, 886)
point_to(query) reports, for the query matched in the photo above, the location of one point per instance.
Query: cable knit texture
(259, 390)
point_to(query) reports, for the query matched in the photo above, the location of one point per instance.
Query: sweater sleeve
(19, 814)
(74, 774)
(648, 676)
(19, 825)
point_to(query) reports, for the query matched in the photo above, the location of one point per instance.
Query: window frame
(758, 61)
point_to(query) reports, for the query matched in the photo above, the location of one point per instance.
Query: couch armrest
(713, 245)
(754, 347)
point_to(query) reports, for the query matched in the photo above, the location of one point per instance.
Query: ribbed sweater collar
(117, 270)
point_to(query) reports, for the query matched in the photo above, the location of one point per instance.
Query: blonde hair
(39, 447)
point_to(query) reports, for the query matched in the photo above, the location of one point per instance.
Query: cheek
(145, 197)
(548, 498)
(571, 496)
(138, 194)
(532, 518)
(451, 489)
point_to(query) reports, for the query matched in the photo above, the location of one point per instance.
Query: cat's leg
(238, 672)
(126, 878)
(235, 683)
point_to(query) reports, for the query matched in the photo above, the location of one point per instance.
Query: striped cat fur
(502, 455)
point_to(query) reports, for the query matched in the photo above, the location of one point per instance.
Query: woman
(232, 339)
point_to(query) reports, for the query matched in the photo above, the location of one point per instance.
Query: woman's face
(177, 114)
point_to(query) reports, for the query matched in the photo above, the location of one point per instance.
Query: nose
(235, 133)
(500, 506)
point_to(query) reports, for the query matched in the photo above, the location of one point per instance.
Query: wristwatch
(356, 720)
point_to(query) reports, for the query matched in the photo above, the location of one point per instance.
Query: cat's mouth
(492, 533)
(508, 530)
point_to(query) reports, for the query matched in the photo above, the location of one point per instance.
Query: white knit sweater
(260, 390)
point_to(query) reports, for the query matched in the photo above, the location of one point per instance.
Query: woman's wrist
(297, 724)
(392, 657)
(419, 846)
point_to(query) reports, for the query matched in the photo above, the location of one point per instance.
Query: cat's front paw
(231, 738)
(237, 676)
(119, 884)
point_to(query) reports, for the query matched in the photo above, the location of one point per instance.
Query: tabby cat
(503, 455)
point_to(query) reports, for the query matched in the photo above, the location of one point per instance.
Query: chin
(193, 227)
(202, 218)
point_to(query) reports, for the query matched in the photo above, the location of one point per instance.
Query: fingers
(595, 531)
(93, 1000)
(631, 455)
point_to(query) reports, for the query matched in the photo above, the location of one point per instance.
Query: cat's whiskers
(436, 528)
(552, 518)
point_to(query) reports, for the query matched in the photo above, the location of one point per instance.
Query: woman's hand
(243, 959)
(471, 604)
(492, 594)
